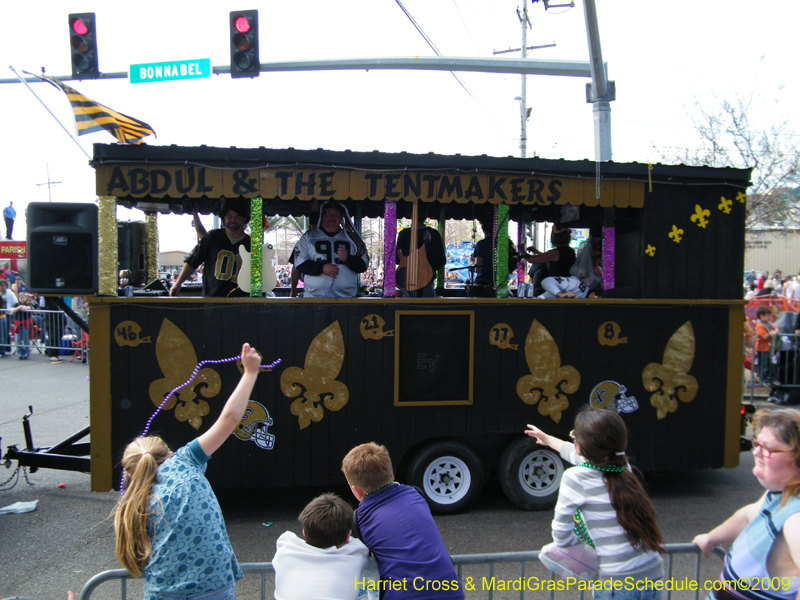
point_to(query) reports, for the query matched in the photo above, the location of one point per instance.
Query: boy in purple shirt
(395, 523)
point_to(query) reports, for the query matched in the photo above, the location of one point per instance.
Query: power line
(463, 22)
(433, 47)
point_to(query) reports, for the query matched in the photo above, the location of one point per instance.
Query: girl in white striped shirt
(602, 502)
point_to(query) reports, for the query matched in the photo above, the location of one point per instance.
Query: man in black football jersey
(218, 252)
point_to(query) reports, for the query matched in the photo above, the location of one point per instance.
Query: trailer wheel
(530, 474)
(449, 474)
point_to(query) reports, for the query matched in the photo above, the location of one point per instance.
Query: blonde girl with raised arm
(168, 525)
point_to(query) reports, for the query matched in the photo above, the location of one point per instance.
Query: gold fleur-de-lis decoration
(676, 234)
(741, 197)
(700, 216)
(177, 360)
(651, 250)
(725, 205)
(670, 381)
(549, 382)
(315, 384)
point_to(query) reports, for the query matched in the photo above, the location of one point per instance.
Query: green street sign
(170, 71)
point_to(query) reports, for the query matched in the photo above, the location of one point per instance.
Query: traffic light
(244, 43)
(83, 45)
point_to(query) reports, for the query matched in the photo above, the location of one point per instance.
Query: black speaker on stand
(62, 248)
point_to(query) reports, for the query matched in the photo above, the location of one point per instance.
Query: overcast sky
(661, 55)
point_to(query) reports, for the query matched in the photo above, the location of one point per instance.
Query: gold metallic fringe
(150, 246)
(108, 259)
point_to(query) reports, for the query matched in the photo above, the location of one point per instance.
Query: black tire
(449, 474)
(530, 474)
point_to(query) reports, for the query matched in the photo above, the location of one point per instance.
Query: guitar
(413, 271)
(268, 278)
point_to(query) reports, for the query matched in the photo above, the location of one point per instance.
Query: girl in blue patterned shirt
(169, 525)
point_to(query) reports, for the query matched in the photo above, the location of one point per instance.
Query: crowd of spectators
(27, 320)
(773, 284)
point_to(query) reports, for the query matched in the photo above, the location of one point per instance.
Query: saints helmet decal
(254, 426)
(610, 395)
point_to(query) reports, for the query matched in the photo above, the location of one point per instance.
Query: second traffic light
(244, 43)
(83, 45)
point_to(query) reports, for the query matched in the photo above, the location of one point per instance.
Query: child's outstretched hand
(251, 361)
(538, 434)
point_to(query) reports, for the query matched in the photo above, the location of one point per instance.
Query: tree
(728, 139)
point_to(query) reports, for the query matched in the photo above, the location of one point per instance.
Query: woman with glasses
(602, 503)
(764, 560)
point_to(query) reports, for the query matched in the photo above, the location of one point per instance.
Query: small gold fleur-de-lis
(741, 197)
(676, 234)
(725, 205)
(700, 216)
(651, 250)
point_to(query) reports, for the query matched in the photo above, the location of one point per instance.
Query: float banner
(194, 181)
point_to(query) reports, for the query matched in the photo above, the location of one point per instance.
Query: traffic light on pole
(83, 45)
(244, 43)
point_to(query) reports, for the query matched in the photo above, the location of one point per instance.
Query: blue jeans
(5, 343)
(226, 593)
(22, 341)
(764, 366)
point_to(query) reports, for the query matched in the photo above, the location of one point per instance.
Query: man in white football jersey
(329, 259)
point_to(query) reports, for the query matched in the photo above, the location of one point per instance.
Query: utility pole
(49, 183)
(524, 113)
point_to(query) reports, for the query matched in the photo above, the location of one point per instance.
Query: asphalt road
(69, 537)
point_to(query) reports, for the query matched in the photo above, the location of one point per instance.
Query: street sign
(171, 71)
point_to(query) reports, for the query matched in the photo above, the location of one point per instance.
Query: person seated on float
(553, 263)
(570, 287)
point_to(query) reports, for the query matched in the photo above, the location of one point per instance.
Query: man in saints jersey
(218, 252)
(329, 259)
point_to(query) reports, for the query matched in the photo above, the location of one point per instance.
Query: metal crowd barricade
(44, 330)
(785, 364)
(682, 565)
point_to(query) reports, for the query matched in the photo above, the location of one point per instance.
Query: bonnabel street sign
(171, 71)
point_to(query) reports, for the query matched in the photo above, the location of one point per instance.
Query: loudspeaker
(130, 236)
(62, 248)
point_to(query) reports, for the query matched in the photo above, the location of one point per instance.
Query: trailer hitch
(67, 455)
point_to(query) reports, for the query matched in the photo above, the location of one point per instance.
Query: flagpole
(48, 110)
